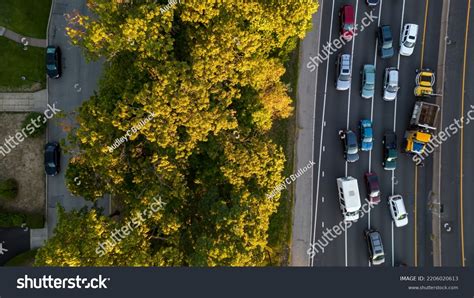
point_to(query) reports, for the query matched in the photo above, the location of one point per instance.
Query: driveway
(77, 84)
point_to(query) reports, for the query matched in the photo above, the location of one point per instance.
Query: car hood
(367, 93)
(387, 95)
(366, 146)
(352, 157)
(406, 51)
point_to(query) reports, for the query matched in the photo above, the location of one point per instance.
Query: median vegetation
(211, 74)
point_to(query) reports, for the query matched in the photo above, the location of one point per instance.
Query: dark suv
(375, 246)
(389, 151)
(351, 148)
(53, 62)
(385, 42)
(51, 159)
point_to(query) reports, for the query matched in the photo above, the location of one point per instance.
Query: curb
(437, 168)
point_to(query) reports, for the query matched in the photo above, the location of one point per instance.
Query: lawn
(15, 63)
(26, 17)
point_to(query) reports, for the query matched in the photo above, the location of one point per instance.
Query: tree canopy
(207, 71)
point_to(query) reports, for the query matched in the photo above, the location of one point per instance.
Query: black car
(385, 43)
(375, 246)
(53, 62)
(351, 148)
(51, 158)
(390, 151)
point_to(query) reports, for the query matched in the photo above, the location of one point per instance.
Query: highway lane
(457, 158)
(342, 110)
(468, 149)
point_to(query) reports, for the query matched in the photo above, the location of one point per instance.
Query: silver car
(390, 86)
(343, 72)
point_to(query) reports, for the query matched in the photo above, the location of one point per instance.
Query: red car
(373, 188)
(346, 16)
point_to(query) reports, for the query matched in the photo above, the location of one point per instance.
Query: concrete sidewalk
(26, 41)
(24, 102)
(306, 104)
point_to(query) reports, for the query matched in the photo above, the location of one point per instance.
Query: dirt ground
(25, 164)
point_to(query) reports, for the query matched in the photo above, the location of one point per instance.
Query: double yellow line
(461, 167)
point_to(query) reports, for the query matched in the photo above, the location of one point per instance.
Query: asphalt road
(457, 152)
(77, 84)
(337, 110)
(13, 241)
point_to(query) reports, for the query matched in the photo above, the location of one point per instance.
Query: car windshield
(344, 77)
(409, 44)
(403, 216)
(387, 45)
(348, 27)
(51, 67)
(392, 88)
(50, 164)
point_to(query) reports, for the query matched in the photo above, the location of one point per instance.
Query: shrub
(29, 126)
(16, 220)
(8, 189)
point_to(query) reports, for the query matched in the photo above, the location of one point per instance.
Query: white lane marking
(324, 148)
(348, 112)
(322, 173)
(311, 261)
(322, 199)
(393, 247)
(322, 224)
(372, 104)
(395, 129)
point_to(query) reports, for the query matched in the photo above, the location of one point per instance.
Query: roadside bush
(16, 220)
(8, 189)
(29, 126)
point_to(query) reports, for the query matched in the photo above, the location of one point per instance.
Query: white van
(408, 39)
(349, 198)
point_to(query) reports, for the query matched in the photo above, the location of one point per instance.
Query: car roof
(351, 136)
(393, 76)
(386, 32)
(376, 240)
(348, 13)
(398, 200)
(412, 29)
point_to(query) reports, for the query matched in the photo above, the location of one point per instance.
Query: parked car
(372, 3)
(343, 71)
(368, 81)
(375, 246)
(390, 86)
(346, 20)
(53, 62)
(373, 187)
(52, 157)
(390, 151)
(366, 135)
(351, 149)
(398, 211)
(385, 43)
(408, 39)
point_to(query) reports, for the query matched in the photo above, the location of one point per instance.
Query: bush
(29, 126)
(16, 220)
(34, 221)
(8, 189)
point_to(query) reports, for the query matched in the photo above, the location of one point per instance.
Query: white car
(408, 39)
(390, 84)
(398, 211)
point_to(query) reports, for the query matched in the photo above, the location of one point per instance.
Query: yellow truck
(422, 124)
(425, 80)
